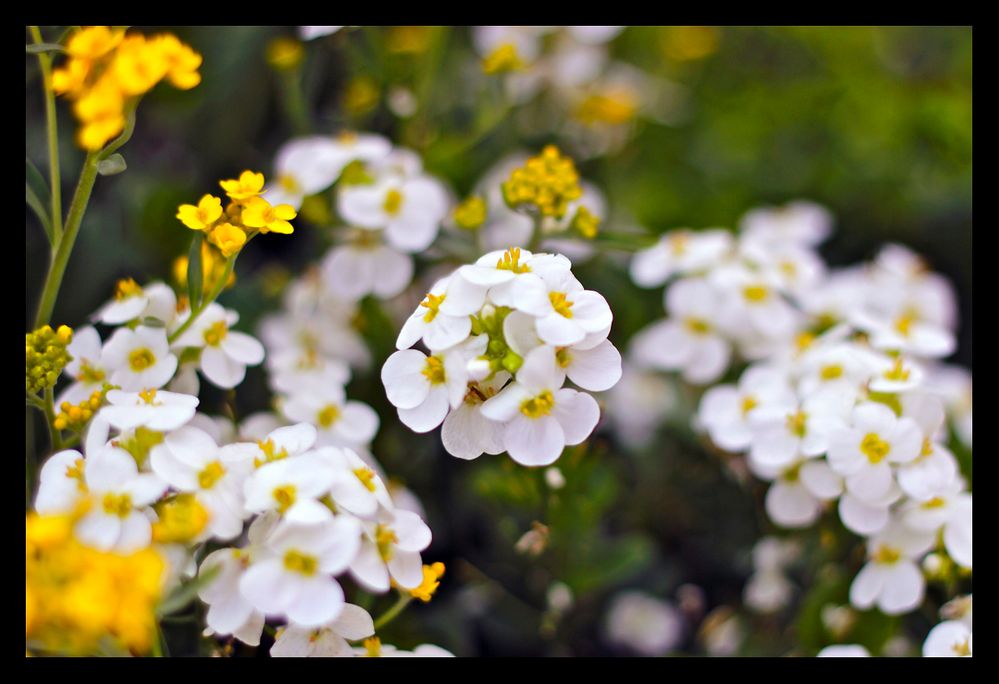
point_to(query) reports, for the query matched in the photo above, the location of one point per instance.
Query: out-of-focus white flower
(644, 624)
(679, 252)
(156, 410)
(139, 359)
(949, 639)
(891, 580)
(325, 641)
(844, 651)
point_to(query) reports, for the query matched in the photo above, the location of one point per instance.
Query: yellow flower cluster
(76, 416)
(78, 598)
(586, 223)
(45, 356)
(471, 213)
(181, 520)
(547, 182)
(431, 580)
(502, 60)
(246, 214)
(107, 70)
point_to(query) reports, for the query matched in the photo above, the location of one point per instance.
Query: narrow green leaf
(185, 593)
(41, 212)
(36, 180)
(194, 273)
(151, 322)
(37, 48)
(111, 166)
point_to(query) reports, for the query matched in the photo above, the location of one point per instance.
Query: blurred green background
(874, 123)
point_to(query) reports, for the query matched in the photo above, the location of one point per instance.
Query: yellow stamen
(875, 448)
(432, 304)
(328, 415)
(561, 305)
(141, 359)
(434, 371)
(285, 497)
(212, 473)
(302, 563)
(538, 406)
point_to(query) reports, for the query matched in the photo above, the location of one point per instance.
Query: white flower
(783, 432)
(366, 267)
(305, 166)
(409, 209)
(84, 367)
(190, 461)
(864, 452)
(392, 549)
(949, 639)
(339, 422)
(131, 302)
(688, 341)
(540, 418)
(437, 329)
(644, 624)
(935, 468)
(228, 611)
(156, 410)
(796, 497)
(752, 304)
(724, 410)
(868, 516)
(799, 222)
(510, 278)
(356, 487)
(844, 651)
(325, 641)
(291, 486)
(679, 252)
(225, 353)
(891, 580)
(61, 482)
(295, 580)
(568, 313)
(313, 32)
(767, 591)
(119, 492)
(424, 388)
(140, 358)
(466, 432)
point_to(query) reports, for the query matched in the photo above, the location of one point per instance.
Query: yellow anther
(434, 371)
(831, 371)
(927, 448)
(141, 359)
(803, 341)
(302, 563)
(903, 324)
(373, 647)
(755, 293)
(432, 304)
(270, 453)
(88, 374)
(367, 478)
(126, 288)
(561, 305)
(538, 406)
(797, 423)
(284, 53)
(887, 554)
(897, 373)
(117, 504)
(385, 537)
(328, 415)
(698, 326)
(749, 402)
(215, 333)
(874, 448)
(212, 473)
(181, 520)
(563, 357)
(284, 496)
(510, 261)
(148, 396)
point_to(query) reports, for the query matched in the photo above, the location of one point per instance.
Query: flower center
(755, 293)
(148, 396)
(285, 497)
(698, 326)
(432, 304)
(88, 374)
(141, 359)
(961, 648)
(393, 202)
(289, 184)
(434, 371)
(270, 453)
(748, 404)
(75, 472)
(887, 555)
(373, 647)
(563, 357)
(328, 415)
(211, 474)
(215, 333)
(538, 406)
(796, 423)
(561, 305)
(831, 372)
(117, 504)
(127, 288)
(874, 448)
(384, 539)
(897, 373)
(302, 563)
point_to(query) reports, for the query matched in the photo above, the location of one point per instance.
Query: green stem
(294, 101)
(394, 611)
(216, 291)
(536, 236)
(55, 183)
(65, 245)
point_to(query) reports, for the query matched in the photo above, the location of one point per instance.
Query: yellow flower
(431, 580)
(138, 65)
(547, 182)
(203, 216)
(258, 213)
(248, 185)
(228, 238)
(284, 53)
(101, 111)
(471, 213)
(93, 42)
(182, 62)
(181, 520)
(71, 78)
(503, 59)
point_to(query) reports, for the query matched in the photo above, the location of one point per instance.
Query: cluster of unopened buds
(503, 335)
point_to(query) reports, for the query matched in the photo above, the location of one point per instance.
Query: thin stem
(55, 182)
(394, 611)
(216, 291)
(65, 247)
(535, 242)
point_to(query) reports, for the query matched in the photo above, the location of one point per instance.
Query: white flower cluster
(299, 509)
(839, 405)
(503, 334)
(391, 206)
(768, 589)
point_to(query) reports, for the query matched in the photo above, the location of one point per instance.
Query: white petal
(403, 378)
(596, 369)
(429, 414)
(577, 413)
(242, 348)
(319, 602)
(534, 441)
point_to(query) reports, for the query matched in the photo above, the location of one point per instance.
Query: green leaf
(38, 48)
(185, 593)
(111, 166)
(38, 207)
(34, 178)
(195, 273)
